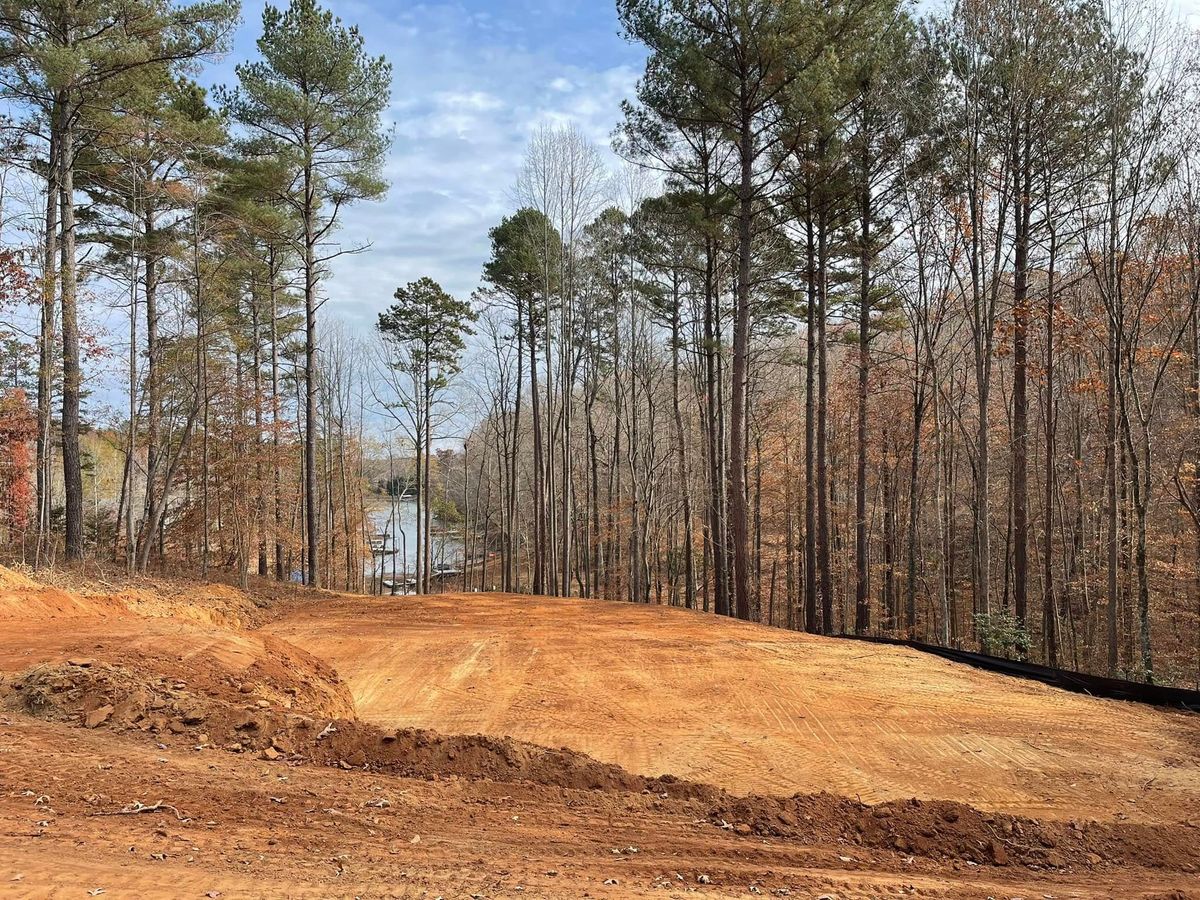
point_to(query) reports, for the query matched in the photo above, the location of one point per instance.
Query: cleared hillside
(752, 709)
(171, 739)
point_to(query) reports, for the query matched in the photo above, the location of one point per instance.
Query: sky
(471, 81)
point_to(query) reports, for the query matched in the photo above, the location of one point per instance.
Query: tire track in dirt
(752, 709)
(671, 691)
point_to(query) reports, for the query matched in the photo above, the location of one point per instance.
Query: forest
(868, 319)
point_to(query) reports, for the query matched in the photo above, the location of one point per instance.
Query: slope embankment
(752, 709)
(183, 739)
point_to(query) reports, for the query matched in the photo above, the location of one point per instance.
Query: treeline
(208, 225)
(890, 328)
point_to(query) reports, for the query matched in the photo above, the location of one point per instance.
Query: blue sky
(472, 79)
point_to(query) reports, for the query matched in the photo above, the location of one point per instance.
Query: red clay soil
(184, 756)
(753, 709)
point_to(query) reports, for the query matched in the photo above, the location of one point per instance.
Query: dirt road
(752, 709)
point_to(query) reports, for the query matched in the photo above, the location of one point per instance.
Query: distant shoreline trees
(423, 334)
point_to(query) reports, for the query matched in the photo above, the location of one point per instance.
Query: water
(400, 550)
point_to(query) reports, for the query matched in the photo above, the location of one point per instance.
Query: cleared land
(279, 733)
(752, 709)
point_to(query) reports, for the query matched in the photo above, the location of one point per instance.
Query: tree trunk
(427, 548)
(1049, 604)
(539, 475)
(46, 332)
(1022, 178)
(823, 561)
(153, 375)
(689, 564)
(276, 475)
(312, 520)
(712, 388)
(72, 375)
(862, 592)
(737, 405)
(810, 482)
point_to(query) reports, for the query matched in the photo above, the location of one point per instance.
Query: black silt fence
(1093, 685)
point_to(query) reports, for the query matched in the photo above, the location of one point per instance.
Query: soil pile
(252, 710)
(955, 831)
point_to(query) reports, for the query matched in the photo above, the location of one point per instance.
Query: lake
(398, 553)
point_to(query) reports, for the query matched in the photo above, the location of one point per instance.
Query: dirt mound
(64, 593)
(97, 694)
(229, 717)
(201, 700)
(49, 604)
(422, 753)
(11, 579)
(278, 708)
(23, 600)
(130, 638)
(208, 604)
(954, 831)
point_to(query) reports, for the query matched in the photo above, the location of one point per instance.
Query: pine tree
(424, 331)
(315, 101)
(62, 58)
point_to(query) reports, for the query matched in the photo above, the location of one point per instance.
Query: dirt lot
(158, 740)
(752, 709)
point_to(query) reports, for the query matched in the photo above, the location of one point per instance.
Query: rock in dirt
(246, 722)
(999, 854)
(98, 716)
(192, 715)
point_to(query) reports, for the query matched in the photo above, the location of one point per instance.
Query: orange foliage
(18, 427)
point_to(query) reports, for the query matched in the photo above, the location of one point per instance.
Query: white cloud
(481, 101)
(469, 88)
